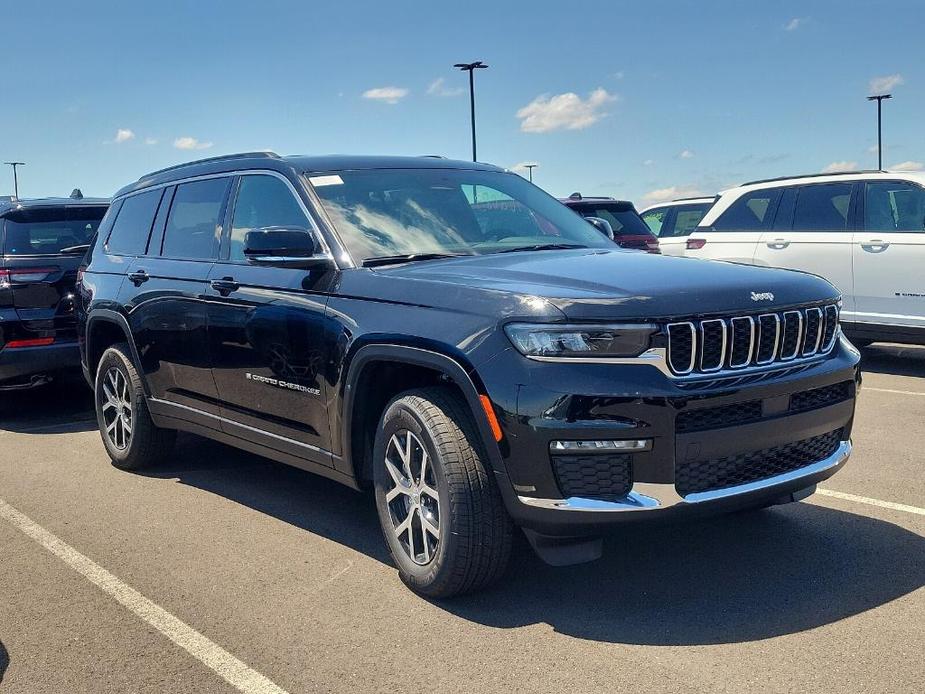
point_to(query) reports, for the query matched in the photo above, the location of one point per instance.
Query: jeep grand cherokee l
(355, 317)
(41, 244)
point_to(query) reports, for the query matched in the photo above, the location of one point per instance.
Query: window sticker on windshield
(332, 180)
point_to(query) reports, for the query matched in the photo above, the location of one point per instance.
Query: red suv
(629, 231)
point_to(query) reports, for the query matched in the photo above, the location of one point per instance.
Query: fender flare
(106, 315)
(415, 356)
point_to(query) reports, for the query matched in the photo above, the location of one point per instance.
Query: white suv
(864, 232)
(673, 221)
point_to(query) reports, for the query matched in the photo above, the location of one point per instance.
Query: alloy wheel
(412, 500)
(116, 405)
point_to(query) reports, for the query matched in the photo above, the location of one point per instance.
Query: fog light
(602, 445)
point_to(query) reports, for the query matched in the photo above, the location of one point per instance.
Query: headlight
(576, 341)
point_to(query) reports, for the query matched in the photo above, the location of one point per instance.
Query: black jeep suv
(41, 245)
(450, 335)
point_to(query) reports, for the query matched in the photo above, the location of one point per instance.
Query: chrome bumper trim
(656, 497)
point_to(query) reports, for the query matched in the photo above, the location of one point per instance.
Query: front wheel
(440, 510)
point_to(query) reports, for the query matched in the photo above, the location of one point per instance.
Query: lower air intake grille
(594, 476)
(720, 473)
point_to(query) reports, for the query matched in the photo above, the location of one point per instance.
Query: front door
(889, 256)
(267, 331)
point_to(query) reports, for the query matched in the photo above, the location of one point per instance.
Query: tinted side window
(194, 223)
(129, 234)
(894, 206)
(822, 207)
(654, 219)
(263, 201)
(688, 217)
(748, 213)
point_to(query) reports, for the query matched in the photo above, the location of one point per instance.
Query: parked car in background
(672, 221)
(42, 242)
(629, 231)
(386, 322)
(862, 231)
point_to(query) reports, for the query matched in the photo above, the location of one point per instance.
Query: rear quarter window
(130, 231)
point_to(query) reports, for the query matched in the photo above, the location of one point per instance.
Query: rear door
(735, 234)
(167, 289)
(42, 248)
(267, 330)
(812, 231)
(889, 256)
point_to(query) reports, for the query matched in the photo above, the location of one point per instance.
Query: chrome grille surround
(780, 338)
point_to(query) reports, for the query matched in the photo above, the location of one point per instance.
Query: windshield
(391, 212)
(49, 231)
(623, 218)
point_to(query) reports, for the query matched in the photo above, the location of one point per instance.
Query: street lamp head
(877, 97)
(466, 67)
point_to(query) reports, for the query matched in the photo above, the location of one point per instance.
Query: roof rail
(431, 156)
(225, 157)
(812, 175)
(697, 197)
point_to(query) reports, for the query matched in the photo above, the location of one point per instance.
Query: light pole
(14, 164)
(879, 99)
(471, 68)
(529, 168)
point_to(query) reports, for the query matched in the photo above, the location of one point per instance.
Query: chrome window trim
(693, 330)
(314, 228)
(751, 341)
(799, 341)
(657, 497)
(722, 355)
(776, 318)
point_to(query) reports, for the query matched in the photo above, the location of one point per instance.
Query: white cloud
(563, 111)
(840, 167)
(390, 95)
(795, 23)
(648, 162)
(908, 166)
(685, 154)
(150, 141)
(123, 135)
(671, 193)
(438, 88)
(619, 75)
(191, 143)
(882, 85)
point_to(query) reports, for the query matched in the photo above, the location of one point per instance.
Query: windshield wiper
(81, 248)
(543, 247)
(409, 258)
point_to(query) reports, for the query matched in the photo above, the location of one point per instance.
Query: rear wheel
(130, 437)
(440, 510)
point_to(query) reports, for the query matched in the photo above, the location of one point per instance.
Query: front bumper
(19, 365)
(640, 402)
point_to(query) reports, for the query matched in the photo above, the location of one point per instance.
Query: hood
(595, 284)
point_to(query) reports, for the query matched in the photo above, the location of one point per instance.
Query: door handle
(225, 285)
(875, 245)
(138, 277)
(778, 244)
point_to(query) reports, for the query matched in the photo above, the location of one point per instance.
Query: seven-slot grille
(718, 344)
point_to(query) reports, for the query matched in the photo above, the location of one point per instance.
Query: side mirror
(285, 246)
(602, 225)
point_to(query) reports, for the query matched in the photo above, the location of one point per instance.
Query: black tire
(475, 532)
(141, 444)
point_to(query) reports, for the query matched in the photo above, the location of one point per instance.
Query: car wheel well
(376, 386)
(102, 335)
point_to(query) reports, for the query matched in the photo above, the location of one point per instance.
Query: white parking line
(872, 502)
(891, 390)
(210, 654)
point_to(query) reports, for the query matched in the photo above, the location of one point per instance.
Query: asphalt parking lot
(221, 567)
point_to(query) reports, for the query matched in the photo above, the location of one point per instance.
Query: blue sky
(638, 100)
